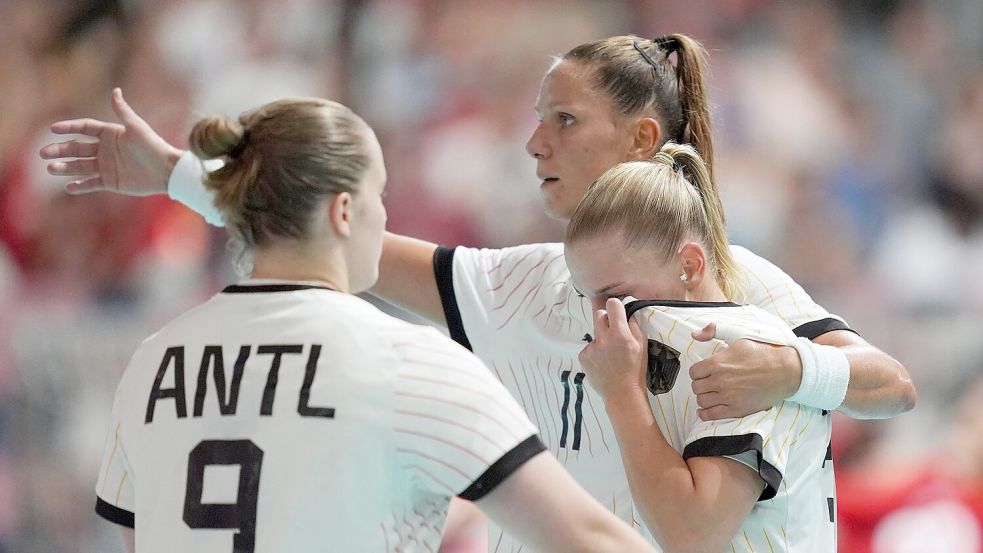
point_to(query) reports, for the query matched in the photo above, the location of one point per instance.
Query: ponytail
(687, 162)
(696, 129)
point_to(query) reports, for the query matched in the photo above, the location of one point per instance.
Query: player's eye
(566, 119)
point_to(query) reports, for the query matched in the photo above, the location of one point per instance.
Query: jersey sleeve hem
(114, 514)
(503, 468)
(443, 269)
(815, 329)
(719, 446)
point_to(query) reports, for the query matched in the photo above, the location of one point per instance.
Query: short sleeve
(762, 440)
(115, 499)
(771, 289)
(457, 430)
(484, 291)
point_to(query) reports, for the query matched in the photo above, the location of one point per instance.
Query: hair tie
(665, 159)
(240, 146)
(668, 43)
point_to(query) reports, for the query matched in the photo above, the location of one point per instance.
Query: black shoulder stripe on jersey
(114, 514)
(718, 446)
(815, 329)
(503, 468)
(633, 306)
(443, 270)
(267, 288)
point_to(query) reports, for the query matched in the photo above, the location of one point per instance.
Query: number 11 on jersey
(578, 421)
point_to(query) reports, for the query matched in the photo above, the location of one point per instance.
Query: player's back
(291, 420)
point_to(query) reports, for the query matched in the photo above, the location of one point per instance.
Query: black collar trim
(268, 288)
(633, 306)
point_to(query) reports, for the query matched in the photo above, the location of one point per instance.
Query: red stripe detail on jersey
(427, 365)
(436, 460)
(455, 423)
(519, 285)
(506, 277)
(450, 489)
(505, 407)
(441, 440)
(544, 403)
(599, 428)
(521, 303)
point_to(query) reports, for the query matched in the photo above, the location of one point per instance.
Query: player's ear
(339, 214)
(646, 138)
(693, 260)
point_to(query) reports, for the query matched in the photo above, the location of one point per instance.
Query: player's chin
(557, 206)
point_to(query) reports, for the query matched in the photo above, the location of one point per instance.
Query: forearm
(880, 387)
(682, 509)
(406, 277)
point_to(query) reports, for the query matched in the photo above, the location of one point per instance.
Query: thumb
(706, 333)
(124, 111)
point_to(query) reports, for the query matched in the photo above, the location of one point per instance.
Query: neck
(708, 290)
(320, 264)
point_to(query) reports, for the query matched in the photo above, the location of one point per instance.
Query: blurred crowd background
(850, 143)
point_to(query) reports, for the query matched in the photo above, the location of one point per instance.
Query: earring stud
(682, 277)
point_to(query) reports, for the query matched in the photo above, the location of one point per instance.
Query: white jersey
(517, 310)
(289, 417)
(786, 445)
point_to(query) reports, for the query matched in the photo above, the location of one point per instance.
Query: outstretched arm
(751, 376)
(131, 158)
(406, 277)
(127, 158)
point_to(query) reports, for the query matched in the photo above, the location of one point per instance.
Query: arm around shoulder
(879, 387)
(407, 278)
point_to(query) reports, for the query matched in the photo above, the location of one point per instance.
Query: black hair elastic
(240, 146)
(668, 43)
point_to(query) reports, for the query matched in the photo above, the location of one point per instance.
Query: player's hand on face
(616, 360)
(128, 158)
(743, 378)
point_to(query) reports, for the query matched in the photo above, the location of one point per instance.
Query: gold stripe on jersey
(119, 490)
(109, 463)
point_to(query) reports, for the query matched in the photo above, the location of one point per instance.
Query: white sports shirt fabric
(328, 426)
(786, 445)
(517, 310)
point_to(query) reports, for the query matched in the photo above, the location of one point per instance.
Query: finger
(88, 127)
(600, 322)
(706, 333)
(71, 148)
(709, 400)
(702, 386)
(617, 318)
(74, 167)
(124, 111)
(702, 369)
(715, 413)
(730, 333)
(93, 184)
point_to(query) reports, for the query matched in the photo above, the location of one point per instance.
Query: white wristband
(825, 375)
(185, 185)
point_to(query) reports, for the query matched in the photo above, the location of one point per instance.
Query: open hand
(616, 360)
(743, 378)
(128, 158)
